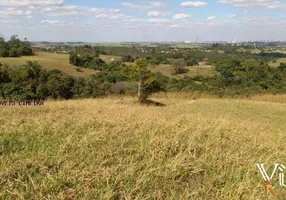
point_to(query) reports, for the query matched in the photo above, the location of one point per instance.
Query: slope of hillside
(116, 149)
(168, 70)
(50, 61)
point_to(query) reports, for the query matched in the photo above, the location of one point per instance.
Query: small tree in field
(178, 66)
(147, 82)
(141, 74)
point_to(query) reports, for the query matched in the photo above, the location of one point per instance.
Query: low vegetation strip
(118, 149)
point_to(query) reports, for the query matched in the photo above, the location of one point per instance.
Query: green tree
(33, 69)
(127, 58)
(14, 42)
(3, 47)
(147, 82)
(179, 66)
(282, 67)
(25, 48)
(14, 52)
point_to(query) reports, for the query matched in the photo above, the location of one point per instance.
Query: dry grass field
(117, 149)
(49, 61)
(108, 58)
(256, 51)
(167, 70)
(277, 63)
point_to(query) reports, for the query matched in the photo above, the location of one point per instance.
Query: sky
(148, 20)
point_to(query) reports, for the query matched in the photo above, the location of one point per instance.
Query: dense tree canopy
(15, 47)
(32, 82)
(86, 60)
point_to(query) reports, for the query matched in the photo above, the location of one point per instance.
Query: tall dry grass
(185, 95)
(117, 149)
(278, 98)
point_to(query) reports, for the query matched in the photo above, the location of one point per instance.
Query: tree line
(15, 47)
(236, 77)
(239, 73)
(31, 82)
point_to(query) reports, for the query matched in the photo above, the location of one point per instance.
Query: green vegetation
(179, 66)
(231, 77)
(127, 58)
(15, 47)
(95, 71)
(32, 82)
(148, 83)
(87, 60)
(246, 77)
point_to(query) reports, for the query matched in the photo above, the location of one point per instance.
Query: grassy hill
(49, 61)
(168, 70)
(117, 149)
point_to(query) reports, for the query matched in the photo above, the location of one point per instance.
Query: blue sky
(148, 20)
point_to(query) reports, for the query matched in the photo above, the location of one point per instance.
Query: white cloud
(211, 18)
(157, 4)
(144, 7)
(14, 12)
(181, 16)
(231, 16)
(83, 12)
(11, 13)
(60, 23)
(159, 21)
(129, 5)
(267, 4)
(175, 26)
(52, 22)
(194, 4)
(135, 6)
(156, 14)
(25, 3)
(109, 16)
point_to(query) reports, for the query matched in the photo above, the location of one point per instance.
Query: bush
(25, 51)
(3, 53)
(191, 62)
(179, 66)
(14, 53)
(127, 58)
(122, 88)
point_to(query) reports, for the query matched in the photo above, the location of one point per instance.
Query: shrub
(14, 53)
